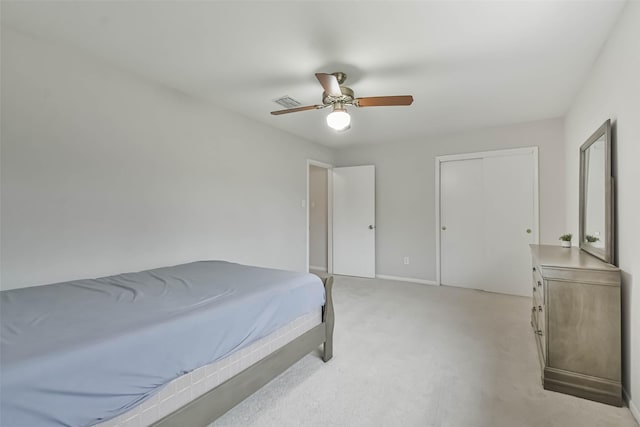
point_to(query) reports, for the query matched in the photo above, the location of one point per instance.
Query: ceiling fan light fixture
(338, 97)
(339, 119)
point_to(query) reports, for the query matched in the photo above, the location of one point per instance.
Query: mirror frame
(605, 254)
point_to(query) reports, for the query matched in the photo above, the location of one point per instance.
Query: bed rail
(213, 404)
(328, 319)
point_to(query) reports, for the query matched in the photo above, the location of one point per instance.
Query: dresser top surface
(557, 256)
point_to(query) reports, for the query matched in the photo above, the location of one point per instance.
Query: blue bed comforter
(81, 352)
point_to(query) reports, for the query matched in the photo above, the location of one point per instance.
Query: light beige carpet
(418, 355)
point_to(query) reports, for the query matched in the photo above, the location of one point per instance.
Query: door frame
(328, 167)
(480, 155)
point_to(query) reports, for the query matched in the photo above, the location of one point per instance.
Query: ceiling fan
(339, 97)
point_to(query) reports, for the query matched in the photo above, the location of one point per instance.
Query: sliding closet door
(462, 232)
(509, 223)
(487, 220)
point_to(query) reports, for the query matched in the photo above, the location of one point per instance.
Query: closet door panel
(461, 223)
(508, 204)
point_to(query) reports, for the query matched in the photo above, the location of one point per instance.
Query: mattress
(188, 387)
(82, 352)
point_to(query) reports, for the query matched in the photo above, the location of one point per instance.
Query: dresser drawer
(537, 291)
(538, 286)
(538, 324)
(542, 331)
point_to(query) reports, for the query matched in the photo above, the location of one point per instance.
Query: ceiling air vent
(287, 102)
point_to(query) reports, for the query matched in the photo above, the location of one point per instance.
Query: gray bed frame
(205, 409)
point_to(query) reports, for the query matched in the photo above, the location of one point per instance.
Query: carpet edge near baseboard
(406, 279)
(632, 406)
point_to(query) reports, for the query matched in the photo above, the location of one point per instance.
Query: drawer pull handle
(539, 284)
(540, 308)
(539, 332)
(534, 289)
(534, 269)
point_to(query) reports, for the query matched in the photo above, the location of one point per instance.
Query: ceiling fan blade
(295, 110)
(382, 101)
(329, 83)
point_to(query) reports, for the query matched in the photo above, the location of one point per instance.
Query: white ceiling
(467, 64)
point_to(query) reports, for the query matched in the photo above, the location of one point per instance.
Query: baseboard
(632, 406)
(316, 268)
(634, 411)
(406, 279)
(585, 386)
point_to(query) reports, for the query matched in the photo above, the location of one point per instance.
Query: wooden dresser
(576, 321)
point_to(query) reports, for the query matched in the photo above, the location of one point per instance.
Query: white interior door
(509, 223)
(461, 222)
(354, 238)
(487, 218)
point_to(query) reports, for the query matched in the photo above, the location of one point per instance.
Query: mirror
(596, 195)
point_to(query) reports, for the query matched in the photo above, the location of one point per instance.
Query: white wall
(318, 216)
(612, 90)
(405, 189)
(103, 173)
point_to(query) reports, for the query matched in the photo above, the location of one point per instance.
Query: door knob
(444, 227)
(528, 231)
(371, 227)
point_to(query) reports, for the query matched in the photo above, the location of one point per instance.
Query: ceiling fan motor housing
(346, 97)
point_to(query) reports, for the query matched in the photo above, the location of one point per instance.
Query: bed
(171, 346)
